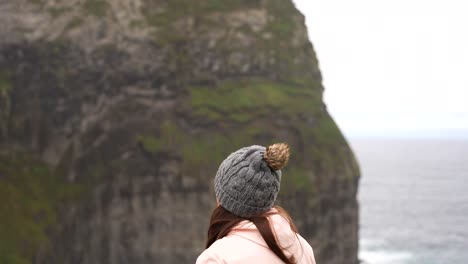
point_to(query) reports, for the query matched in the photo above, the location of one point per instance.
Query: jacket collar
(280, 226)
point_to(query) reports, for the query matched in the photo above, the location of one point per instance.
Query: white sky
(392, 66)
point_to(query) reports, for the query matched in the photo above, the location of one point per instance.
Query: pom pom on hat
(277, 156)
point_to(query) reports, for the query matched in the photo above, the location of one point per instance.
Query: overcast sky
(392, 67)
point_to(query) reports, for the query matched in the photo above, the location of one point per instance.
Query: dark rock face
(128, 107)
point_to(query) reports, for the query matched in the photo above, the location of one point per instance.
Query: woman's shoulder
(210, 256)
(308, 252)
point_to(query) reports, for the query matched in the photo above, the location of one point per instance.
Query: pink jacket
(244, 244)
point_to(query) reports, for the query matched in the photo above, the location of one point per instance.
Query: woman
(245, 226)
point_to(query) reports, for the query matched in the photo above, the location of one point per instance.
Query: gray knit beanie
(248, 180)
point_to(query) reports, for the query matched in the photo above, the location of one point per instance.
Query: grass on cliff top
(31, 194)
(242, 101)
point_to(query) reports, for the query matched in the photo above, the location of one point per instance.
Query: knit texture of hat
(248, 180)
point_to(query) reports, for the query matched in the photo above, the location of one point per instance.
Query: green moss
(75, 22)
(169, 136)
(199, 152)
(295, 178)
(150, 143)
(157, 20)
(10, 258)
(61, 73)
(328, 132)
(325, 146)
(31, 194)
(227, 5)
(163, 16)
(281, 28)
(205, 152)
(57, 11)
(202, 152)
(136, 24)
(37, 2)
(5, 83)
(290, 62)
(96, 8)
(242, 101)
(281, 24)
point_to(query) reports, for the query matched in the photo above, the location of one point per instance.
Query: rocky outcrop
(114, 116)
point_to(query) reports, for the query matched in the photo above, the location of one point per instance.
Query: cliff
(114, 116)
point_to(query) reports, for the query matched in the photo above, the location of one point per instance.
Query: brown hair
(223, 221)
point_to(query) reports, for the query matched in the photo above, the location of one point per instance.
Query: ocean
(413, 198)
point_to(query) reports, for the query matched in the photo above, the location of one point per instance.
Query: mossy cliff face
(114, 116)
